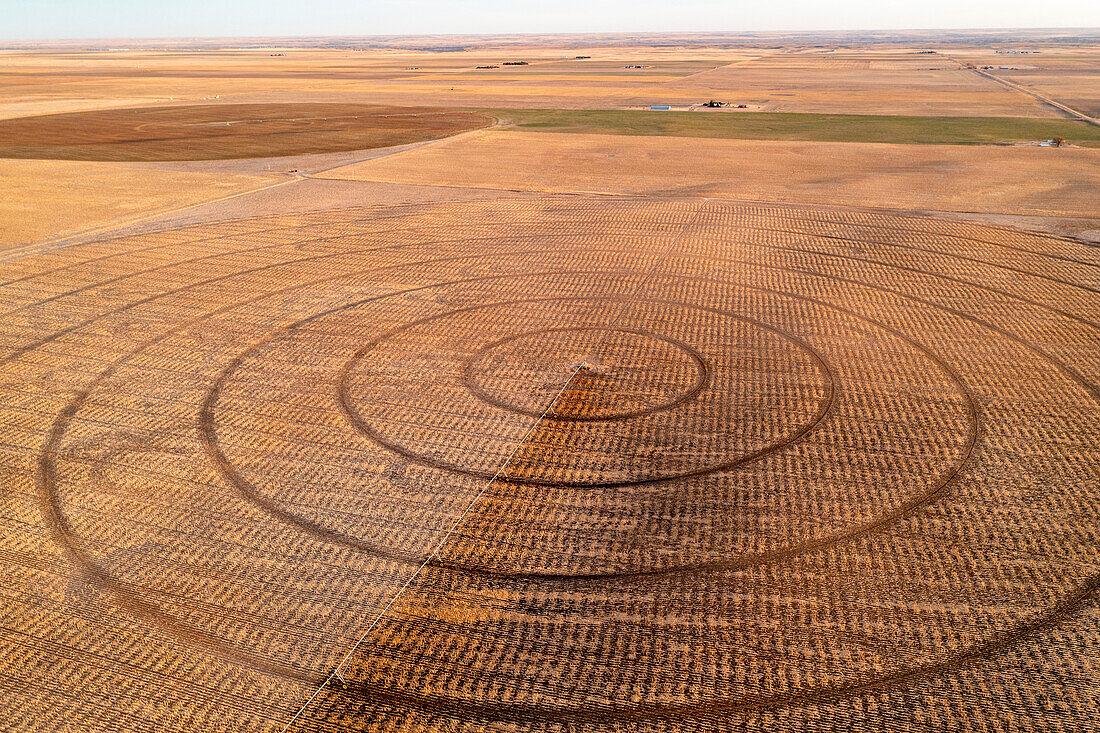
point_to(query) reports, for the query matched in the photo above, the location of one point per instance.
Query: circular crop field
(561, 464)
(217, 131)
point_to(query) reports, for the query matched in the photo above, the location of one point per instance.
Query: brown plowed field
(553, 464)
(215, 131)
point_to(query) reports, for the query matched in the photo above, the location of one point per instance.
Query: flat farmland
(1070, 74)
(990, 179)
(898, 80)
(823, 468)
(49, 198)
(736, 125)
(867, 81)
(359, 389)
(202, 132)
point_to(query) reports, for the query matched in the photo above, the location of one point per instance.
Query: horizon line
(564, 34)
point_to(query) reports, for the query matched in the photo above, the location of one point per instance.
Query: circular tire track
(470, 368)
(355, 416)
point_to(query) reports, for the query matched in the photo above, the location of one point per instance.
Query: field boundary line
(45, 245)
(33, 248)
(626, 303)
(404, 149)
(438, 547)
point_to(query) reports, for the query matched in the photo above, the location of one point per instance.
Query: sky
(56, 19)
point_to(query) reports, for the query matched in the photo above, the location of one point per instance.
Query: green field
(513, 72)
(794, 126)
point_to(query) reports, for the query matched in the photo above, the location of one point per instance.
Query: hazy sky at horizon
(49, 19)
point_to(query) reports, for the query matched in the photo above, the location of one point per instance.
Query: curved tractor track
(709, 466)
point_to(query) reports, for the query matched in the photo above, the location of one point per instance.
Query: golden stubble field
(1071, 75)
(960, 178)
(851, 81)
(48, 198)
(827, 469)
(656, 434)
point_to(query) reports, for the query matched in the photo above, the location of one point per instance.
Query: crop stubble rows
(826, 467)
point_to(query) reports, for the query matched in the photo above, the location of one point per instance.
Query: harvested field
(207, 132)
(866, 81)
(1012, 180)
(888, 81)
(1070, 74)
(553, 463)
(47, 198)
(726, 420)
